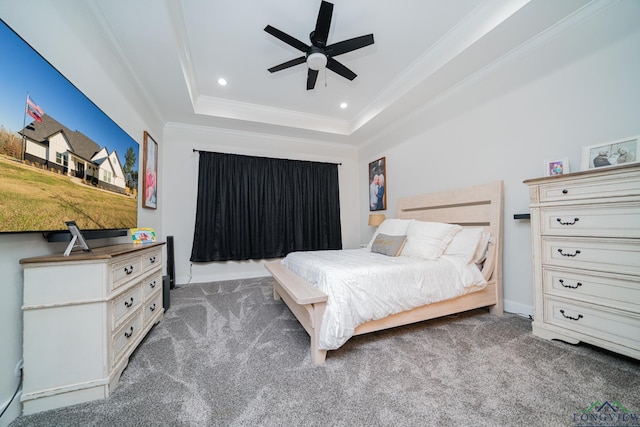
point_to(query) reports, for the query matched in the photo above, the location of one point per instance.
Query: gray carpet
(227, 354)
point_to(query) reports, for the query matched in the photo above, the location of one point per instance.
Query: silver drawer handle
(569, 317)
(128, 334)
(568, 222)
(578, 284)
(569, 255)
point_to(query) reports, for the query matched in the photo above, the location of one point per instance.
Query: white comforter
(364, 286)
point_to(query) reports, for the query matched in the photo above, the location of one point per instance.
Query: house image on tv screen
(52, 146)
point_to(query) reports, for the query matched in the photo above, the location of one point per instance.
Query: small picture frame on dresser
(77, 239)
(612, 153)
(556, 167)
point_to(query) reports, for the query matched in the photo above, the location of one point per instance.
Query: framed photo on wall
(377, 185)
(556, 167)
(612, 153)
(150, 173)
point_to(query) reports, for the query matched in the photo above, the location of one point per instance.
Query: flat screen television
(61, 158)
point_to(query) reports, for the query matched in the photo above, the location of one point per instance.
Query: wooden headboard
(479, 205)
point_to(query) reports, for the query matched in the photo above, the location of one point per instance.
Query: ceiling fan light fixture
(317, 61)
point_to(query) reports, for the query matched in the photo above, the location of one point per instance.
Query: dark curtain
(259, 208)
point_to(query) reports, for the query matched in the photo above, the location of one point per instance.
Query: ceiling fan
(319, 54)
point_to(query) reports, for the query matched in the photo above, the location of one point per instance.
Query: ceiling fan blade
(312, 76)
(291, 41)
(338, 68)
(321, 33)
(349, 45)
(288, 64)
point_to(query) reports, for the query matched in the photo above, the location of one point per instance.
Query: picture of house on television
(54, 147)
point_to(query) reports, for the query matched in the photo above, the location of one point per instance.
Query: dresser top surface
(100, 253)
(620, 169)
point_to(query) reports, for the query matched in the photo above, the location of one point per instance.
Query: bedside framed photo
(556, 167)
(611, 153)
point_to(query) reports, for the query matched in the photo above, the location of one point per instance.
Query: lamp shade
(376, 219)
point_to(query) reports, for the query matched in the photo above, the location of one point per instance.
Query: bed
(475, 206)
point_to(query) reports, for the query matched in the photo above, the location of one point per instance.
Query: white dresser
(586, 257)
(83, 317)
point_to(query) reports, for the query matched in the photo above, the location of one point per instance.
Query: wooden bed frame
(480, 205)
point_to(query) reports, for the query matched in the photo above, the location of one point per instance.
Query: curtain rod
(195, 150)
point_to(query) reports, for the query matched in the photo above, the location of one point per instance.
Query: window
(261, 208)
(62, 159)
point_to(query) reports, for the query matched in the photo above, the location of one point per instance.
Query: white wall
(179, 190)
(507, 125)
(80, 54)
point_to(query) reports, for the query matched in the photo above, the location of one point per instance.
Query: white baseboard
(517, 308)
(184, 280)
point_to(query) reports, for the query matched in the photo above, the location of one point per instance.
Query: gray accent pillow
(388, 245)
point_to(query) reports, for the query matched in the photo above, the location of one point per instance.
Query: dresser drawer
(152, 283)
(608, 255)
(152, 307)
(592, 189)
(603, 289)
(126, 270)
(126, 304)
(126, 335)
(607, 324)
(151, 259)
(592, 221)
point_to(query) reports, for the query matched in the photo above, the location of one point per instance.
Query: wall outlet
(18, 370)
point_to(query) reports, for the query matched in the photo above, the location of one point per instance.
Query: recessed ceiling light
(343, 105)
(222, 82)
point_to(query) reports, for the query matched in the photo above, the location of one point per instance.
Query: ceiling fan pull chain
(325, 77)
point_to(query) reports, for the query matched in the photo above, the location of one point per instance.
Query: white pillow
(391, 227)
(483, 247)
(428, 240)
(470, 244)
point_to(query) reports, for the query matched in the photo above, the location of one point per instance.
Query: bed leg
(276, 295)
(496, 310)
(317, 356)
